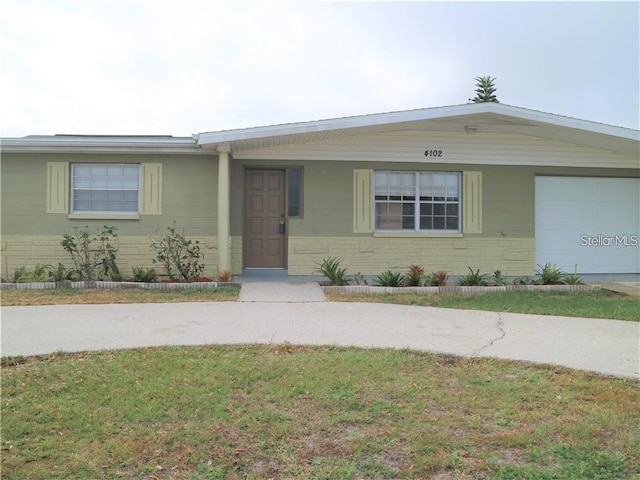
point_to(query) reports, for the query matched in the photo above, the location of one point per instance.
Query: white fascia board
(228, 136)
(100, 144)
(562, 121)
(225, 136)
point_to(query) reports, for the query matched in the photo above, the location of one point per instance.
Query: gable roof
(474, 117)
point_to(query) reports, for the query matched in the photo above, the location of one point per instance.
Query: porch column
(224, 213)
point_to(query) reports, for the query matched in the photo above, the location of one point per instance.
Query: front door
(264, 232)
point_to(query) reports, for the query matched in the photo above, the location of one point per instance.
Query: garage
(588, 225)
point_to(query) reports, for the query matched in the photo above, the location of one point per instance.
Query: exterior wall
(371, 256)
(236, 246)
(30, 235)
(457, 148)
(189, 182)
(507, 241)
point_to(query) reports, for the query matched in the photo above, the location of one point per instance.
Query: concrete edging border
(458, 289)
(113, 285)
(347, 289)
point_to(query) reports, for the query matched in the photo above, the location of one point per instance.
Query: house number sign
(433, 152)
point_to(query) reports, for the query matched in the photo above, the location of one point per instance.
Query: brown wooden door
(264, 240)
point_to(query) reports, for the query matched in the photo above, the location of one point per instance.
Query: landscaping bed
(370, 289)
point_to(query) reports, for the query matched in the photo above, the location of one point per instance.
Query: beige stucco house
(486, 185)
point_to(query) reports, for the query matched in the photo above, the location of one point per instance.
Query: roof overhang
(102, 144)
(473, 117)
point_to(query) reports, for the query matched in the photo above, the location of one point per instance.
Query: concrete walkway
(628, 288)
(606, 346)
(291, 292)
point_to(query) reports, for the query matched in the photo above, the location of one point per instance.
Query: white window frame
(138, 189)
(416, 202)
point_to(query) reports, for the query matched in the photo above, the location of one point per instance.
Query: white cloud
(178, 68)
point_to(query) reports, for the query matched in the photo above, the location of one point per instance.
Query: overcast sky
(181, 67)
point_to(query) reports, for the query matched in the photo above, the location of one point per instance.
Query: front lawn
(592, 304)
(260, 412)
(66, 296)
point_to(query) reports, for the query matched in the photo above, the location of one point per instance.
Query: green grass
(593, 304)
(311, 413)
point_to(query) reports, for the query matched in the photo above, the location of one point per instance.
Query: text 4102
(433, 152)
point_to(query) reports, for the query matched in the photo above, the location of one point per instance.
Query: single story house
(488, 186)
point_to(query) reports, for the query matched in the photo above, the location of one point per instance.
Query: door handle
(282, 223)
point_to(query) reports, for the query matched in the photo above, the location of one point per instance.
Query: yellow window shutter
(472, 202)
(151, 189)
(362, 184)
(57, 187)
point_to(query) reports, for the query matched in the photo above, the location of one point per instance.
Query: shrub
(413, 277)
(550, 274)
(330, 268)
(523, 281)
(473, 279)
(181, 258)
(389, 279)
(107, 251)
(147, 275)
(94, 256)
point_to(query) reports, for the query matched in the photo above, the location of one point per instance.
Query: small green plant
(225, 276)
(434, 279)
(358, 279)
(473, 279)
(60, 273)
(498, 279)
(413, 276)
(389, 279)
(523, 281)
(550, 274)
(93, 256)
(40, 273)
(19, 275)
(572, 280)
(330, 268)
(145, 275)
(181, 258)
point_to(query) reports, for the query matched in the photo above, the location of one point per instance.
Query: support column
(224, 212)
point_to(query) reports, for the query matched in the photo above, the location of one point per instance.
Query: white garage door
(591, 223)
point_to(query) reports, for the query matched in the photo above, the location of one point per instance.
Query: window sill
(104, 216)
(416, 235)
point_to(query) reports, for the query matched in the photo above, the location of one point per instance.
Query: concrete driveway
(610, 347)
